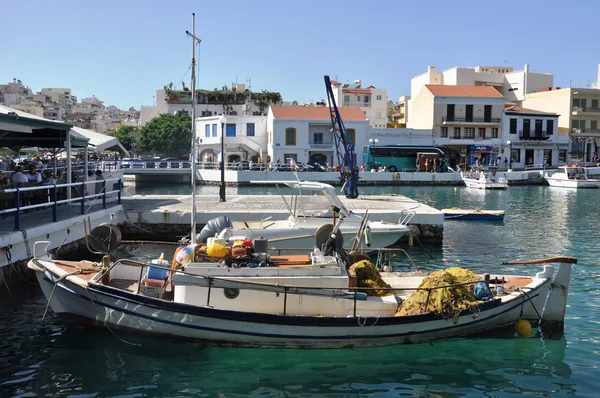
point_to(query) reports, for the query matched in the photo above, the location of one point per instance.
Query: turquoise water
(45, 358)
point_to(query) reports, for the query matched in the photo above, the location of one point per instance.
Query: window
(469, 132)
(549, 127)
(358, 98)
(578, 126)
(250, 129)
(456, 132)
(230, 130)
(346, 98)
(494, 132)
(351, 136)
(595, 103)
(378, 97)
(562, 156)
(290, 136)
(317, 138)
(579, 102)
(444, 132)
(207, 130)
(515, 155)
(366, 99)
(513, 126)
(594, 125)
(481, 132)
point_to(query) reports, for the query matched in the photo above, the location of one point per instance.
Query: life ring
(398, 176)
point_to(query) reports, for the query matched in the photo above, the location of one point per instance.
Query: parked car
(126, 163)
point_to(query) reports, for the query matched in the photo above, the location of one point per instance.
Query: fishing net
(367, 276)
(446, 302)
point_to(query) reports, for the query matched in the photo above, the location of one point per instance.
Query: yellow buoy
(523, 328)
(410, 240)
(216, 250)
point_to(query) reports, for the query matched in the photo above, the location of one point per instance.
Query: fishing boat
(294, 302)
(484, 181)
(455, 213)
(571, 176)
(312, 206)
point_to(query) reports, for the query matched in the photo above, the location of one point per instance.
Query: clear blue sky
(122, 51)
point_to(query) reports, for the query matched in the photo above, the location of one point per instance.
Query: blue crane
(344, 151)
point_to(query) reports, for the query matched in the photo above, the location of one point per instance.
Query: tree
(169, 134)
(127, 135)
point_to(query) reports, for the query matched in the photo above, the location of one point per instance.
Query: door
(538, 128)
(487, 114)
(469, 113)
(528, 157)
(317, 158)
(450, 112)
(526, 128)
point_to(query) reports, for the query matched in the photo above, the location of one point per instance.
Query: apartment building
(61, 96)
(579, 118)
(467, 119)
(531, 139)
(513, 85)
(372, 101)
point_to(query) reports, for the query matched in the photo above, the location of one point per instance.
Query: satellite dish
(104, 238)
(324, 232)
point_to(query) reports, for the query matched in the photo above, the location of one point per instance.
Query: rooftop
(439, 90)
(519, 109)
(315, 113)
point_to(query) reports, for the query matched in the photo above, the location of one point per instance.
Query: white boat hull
(475, 183)
(102, 306)
(568, 183)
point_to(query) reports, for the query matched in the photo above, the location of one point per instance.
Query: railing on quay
(53, 201)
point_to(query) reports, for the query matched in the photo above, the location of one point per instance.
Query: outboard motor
(213, 227)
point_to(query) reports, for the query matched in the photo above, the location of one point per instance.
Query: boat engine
(214, 227)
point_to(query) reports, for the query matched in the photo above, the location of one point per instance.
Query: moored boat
(476, 214)
(484, 181)
(571, 176)
(296, 302)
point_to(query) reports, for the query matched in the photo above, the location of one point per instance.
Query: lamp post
(509, 155)
(373, 142)
(222, 119)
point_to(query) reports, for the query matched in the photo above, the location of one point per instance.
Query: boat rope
(26, 242)
(54, 289)
(104, 321)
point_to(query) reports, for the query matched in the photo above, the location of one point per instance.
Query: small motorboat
(571, 176)
(484, 181)
(455, 213)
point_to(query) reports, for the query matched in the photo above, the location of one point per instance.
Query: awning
(99, 142)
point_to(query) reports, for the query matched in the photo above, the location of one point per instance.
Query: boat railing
(405, 219)
(54, 195)
(353, 293)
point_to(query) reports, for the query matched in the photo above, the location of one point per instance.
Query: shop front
(538, 155)
(484, 155)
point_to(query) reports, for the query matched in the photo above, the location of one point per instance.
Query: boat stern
(556, 305)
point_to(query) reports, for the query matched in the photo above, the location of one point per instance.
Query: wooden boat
(571, 176)
(293, 303)
(484, 181)
(477, 214)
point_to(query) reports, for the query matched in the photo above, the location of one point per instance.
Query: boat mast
(194, 145)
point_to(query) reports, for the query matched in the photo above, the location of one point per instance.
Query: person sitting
(5, 183)
(34, 175)
(18, 177)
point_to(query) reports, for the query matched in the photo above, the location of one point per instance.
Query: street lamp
(222, 119)
(373, 142)
(509, 155)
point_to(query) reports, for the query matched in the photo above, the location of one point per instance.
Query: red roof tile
(356, 91)
(463, 91)
(315, 113)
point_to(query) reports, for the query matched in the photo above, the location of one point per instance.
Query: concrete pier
(167, 215)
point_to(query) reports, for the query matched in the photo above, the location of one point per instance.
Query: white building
(372, 101)
(92, 101)
(245, 137)
(61, 96)
(513, 85)
(303, 133)
(32, 107)
(14, 93)
(53, 111)
(532, 139)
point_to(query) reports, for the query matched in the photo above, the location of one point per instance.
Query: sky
(122, 51)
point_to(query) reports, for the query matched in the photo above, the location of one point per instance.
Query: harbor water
(45, 358)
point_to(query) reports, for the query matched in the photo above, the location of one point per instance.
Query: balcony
(533, 135)
(358, 104)
(580, 110)
(586, 132)
(471, 121)
(323, 145)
